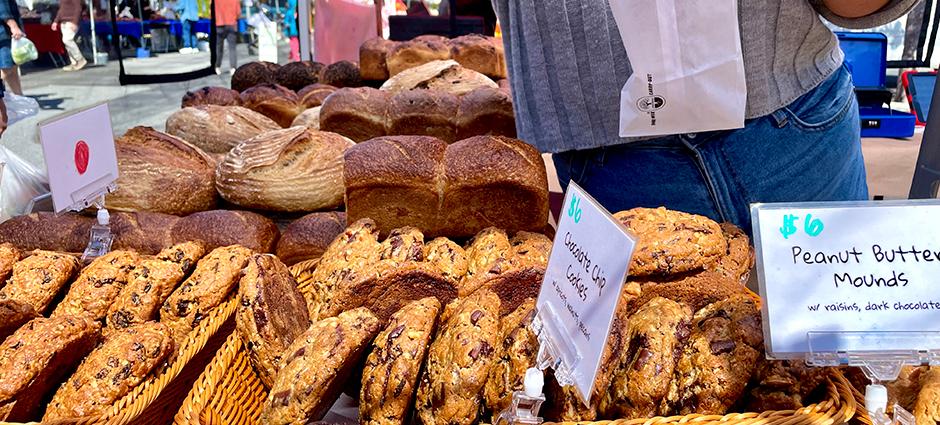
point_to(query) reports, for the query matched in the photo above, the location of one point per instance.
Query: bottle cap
(533, 383)
(104, 218)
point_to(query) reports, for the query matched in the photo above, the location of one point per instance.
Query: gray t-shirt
(567, 62)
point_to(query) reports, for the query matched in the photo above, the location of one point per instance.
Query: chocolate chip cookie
(37, 279)
(150, 284)
(515, 353)
(350, 254)
(782, 385)
(529, 249)
(670, 242)
(484, 254)
(316, 365)
(403, 245)
(738, 260)
(97, 285)
(391, 373)
(447, 257)
(458, 361)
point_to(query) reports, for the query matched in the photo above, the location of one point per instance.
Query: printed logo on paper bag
(81, 157)
(652, 102)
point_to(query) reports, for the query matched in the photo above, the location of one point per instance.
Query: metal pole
(94, 35)
(927, 172)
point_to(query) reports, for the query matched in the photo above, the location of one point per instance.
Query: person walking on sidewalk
(66, 20)
(226, 30)
(188, 12)
(10, 15)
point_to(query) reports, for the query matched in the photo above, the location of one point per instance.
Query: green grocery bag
(23, 50)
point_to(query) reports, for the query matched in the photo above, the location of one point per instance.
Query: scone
(210, 284)
(515, 353)
(36, 358)
(392, 369)
(654, 336)
(351, 253)
(738, 261)
(927, 407)
(97, 285)
(14, 314)
(670, 242)
(9, 255)
(37, 279)
(487, 248)
(316, 366)
(458, 361)
(403, 245)
(715, 366)
(448, 258)
(111, 371)
(148, 287)
(271, 313)
(186, 254)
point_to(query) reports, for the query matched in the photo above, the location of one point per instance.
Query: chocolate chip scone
(670, 242)
(36, 358)
(458, 361)
(271, 313)
(403, 245)
(716, 364)
(515, 353)
(351, 253)
(485, 251)
(14, 314)
(447, 257)
(738, 260)
(392, 369)
(927, 407)
(316, 366)
(111, 371)
(97, 285)
(210, 284)
(148, 287)
(9, 255)
(186, 254)
(654, 336)
(37, 279)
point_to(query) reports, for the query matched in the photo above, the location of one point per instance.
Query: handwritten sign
(80, 156)
(834, 269)
(583, 281)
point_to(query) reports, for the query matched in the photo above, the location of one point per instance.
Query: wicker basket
(157, 398)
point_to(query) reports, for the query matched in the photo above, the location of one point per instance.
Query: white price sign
(585, 275)
(80, 156)
(837, 269)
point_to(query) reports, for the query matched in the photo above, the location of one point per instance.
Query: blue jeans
(809, 150)
(188, 36)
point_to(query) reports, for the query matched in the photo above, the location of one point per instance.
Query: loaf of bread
(223, 228)
(211, 96)
(308, 237)
(316, 366)
(36, 358)
(313, 95)
(9, 255)
(299, 74)
(293, 169)
(309, 118)
(161, 173)
(479, 53)
(424, 113)
(217, 129)
(485, 110)
(357, 113)
(111, 371)
(273, 101)
(209, 285)
(271, 313)
(453, 191)
(446, 75)
(254, 73)
(97, 285)
(416, 52)
(39, 278)
(14, 314)
(143, 232)
(373, 54)
(341, 74)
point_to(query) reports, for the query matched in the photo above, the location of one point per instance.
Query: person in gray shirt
(800, 142)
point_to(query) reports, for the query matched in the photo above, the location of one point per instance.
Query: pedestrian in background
(226, 30)
(10, 15)
(66, 20)
(188, 12)
(290, 29)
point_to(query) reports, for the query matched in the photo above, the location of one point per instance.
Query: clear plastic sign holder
(829, 349)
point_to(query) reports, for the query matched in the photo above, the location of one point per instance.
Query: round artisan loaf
(254, 73)
(341, 74)
(313, 95)
(309, 118)
(358, 113)
(446, 75)
(217, 129)
(294, 169)
(211, 96)
(300, 74)
(416, 52)
(308, 237)
(161, 173)
(373, 54)
(479, 53)
(273, 101)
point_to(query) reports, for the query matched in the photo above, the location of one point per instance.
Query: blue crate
(866, 54)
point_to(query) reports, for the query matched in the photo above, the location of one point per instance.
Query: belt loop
(780, 118)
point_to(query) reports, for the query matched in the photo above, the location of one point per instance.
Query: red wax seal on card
(81, 157)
